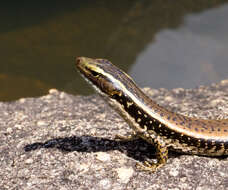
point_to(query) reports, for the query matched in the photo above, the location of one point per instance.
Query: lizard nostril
(78, 60)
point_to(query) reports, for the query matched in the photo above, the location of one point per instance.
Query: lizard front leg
(161, 153)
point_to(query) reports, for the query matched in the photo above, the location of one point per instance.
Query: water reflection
(193, 54)
(39, 41)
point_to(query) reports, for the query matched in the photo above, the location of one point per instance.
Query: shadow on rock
(137, 149)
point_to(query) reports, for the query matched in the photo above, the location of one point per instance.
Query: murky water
(195, 53)
(172, 44)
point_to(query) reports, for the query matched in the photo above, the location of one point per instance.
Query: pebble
(9, 130)
(125, 174)
(173, 172)
(224, 82)
(18, 126)
(168, 98)
(29, 161)
(178, 90)
(20, 144)
(102, 156)
(62, 95)
(41, 123)
(53, 91)
(215, 102)
(105, 184)
(22, 100)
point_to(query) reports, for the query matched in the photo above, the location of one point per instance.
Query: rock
(67, 142)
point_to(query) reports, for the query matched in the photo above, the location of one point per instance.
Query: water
(193, 54)
(172, 44)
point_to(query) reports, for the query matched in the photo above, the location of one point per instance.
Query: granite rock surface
(61, 141)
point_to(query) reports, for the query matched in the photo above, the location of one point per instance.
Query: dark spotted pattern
(206, 144)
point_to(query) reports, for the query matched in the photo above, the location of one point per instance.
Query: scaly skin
(151, 122)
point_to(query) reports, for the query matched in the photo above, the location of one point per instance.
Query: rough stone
(61, 141)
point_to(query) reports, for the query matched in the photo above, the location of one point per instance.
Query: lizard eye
(94, 73)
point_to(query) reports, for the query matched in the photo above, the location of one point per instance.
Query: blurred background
(161, 44)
